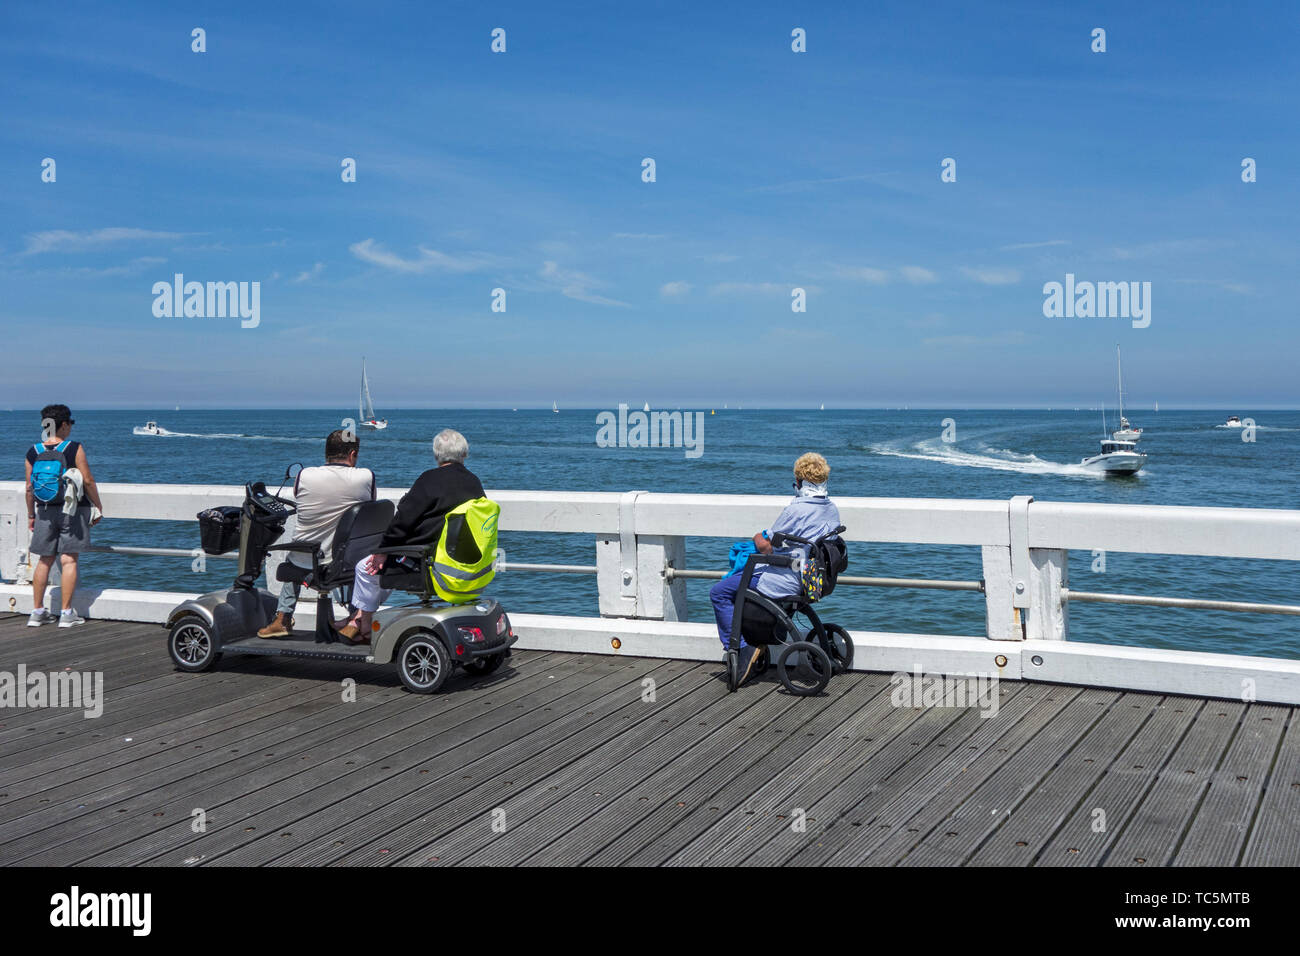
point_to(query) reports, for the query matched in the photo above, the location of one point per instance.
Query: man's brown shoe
(280, 627)
(352, 635)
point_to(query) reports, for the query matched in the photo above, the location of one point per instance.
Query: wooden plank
(1151, 835)
(1093, 825)
(884, 813)
(1275, 835)
(380, 807)
(977, 768)
(1022, 835)
(244, 802)
(1219, 829)
(769, 751)
(954, 839)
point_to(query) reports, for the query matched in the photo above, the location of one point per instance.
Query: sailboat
(1125, 432)
(647, 407)
(555, 408)
(366, 408)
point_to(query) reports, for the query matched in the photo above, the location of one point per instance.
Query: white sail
(365, 407)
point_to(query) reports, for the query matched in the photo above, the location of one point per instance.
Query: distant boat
(1117, 457)
(178, 408)
(1157, 407)
(149, 428)
(555, 408)
(366, 408)
(823, 408)
(647, 407)
(1233, 422)
(1125, 432)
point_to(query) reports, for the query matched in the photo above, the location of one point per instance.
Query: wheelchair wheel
(733, 671)
(804, 668)
(838, 647)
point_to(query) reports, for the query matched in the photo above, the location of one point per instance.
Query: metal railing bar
(1097, 597)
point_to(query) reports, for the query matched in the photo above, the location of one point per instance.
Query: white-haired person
(418, 522)
(810, 515)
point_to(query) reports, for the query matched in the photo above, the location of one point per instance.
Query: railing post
(617, 574)
(1049, 616)
(1002, 622)
(9, 546)
(657, 598)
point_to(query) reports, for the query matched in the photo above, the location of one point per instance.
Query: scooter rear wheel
(423, 663)
(733, 671)
(485, 665)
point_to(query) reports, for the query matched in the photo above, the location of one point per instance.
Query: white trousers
(367, 595)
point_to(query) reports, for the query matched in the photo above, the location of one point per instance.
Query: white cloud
(917, 275)
(312, 273)
(134, 267)
(63, 238)
(992, 276)
(575, 285)
(1034, 245)
(671, 290)
(750, 288)
(863, 274)
(368, 250)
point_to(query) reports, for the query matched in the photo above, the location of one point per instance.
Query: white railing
(640, 548)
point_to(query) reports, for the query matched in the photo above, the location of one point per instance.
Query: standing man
(322, 494)
(62, 506)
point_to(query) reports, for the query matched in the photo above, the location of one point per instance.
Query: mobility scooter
(426, 639)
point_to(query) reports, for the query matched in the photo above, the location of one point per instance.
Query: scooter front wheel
(192, 645)
(733, 671)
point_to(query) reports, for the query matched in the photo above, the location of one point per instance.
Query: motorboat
(149, 428)
(1116, 458)
(1233, 422)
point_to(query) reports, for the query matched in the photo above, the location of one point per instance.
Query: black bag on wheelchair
(822, 566)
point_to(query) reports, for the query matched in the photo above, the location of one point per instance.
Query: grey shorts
(59, 533)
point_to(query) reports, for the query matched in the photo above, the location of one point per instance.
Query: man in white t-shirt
(322, 493)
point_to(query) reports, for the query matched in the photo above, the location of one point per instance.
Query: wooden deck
(558, 759)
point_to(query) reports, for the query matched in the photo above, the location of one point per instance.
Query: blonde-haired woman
(810, 515)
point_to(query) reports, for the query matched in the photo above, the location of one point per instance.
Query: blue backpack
(48, 471)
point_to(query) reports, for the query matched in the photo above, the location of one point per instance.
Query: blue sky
(774, 169)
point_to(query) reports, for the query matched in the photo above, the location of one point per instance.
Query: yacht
(366, 408)
(1125, 432)
(1116, 458)
(1233, 422)
(555, 408)
(149, 428)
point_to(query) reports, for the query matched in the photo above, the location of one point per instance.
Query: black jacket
(421, 511)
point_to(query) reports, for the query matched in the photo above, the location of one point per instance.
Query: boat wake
(984, 456)
(168, 433)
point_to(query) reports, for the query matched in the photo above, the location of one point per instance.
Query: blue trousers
(723, 596)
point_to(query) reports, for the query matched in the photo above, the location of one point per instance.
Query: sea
(930, 453)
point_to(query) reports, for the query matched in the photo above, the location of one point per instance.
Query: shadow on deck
(559, 759)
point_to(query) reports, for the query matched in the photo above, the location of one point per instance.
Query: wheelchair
(806, 659)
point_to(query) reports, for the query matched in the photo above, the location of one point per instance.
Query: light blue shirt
(809, 518)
